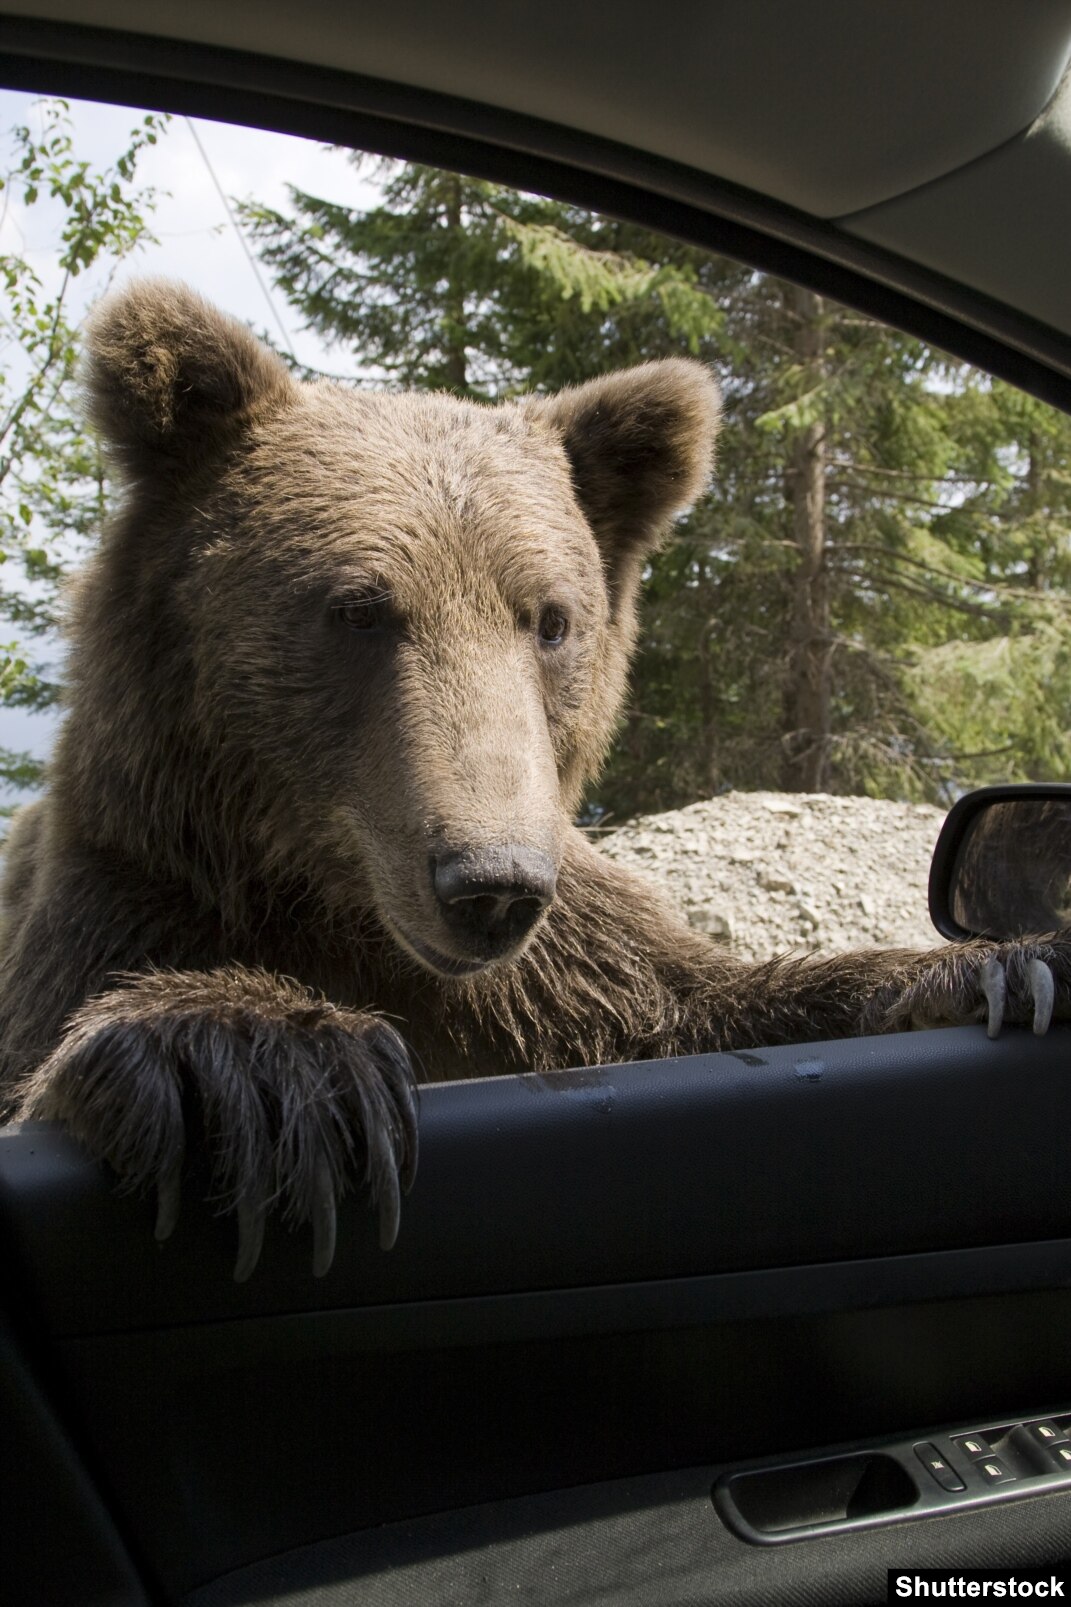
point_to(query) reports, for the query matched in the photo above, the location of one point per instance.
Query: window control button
(938, 1467)
(972, 1445)
(1046, 1432)
(994, 1471)
(1061, 1455)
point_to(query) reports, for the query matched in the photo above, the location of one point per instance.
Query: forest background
(872, 598)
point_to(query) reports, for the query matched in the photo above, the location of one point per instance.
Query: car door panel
(601, 1275)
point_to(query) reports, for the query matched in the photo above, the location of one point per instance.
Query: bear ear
(641, 447)
(166, 372)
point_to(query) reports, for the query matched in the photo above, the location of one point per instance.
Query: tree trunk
(707, 770)
(808, 680)
(1035, 568)
(456, 367)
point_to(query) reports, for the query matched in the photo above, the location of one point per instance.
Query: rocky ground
(769, 872)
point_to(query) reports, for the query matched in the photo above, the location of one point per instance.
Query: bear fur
(339, 674)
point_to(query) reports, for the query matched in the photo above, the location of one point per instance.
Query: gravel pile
(770, 872)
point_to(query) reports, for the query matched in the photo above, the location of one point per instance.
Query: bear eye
(363, 612)
(553, 627)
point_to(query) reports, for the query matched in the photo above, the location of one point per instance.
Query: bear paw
(1027, 983)
(296, 1099)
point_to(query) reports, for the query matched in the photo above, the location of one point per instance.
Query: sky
(197, 240)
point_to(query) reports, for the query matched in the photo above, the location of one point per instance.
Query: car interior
(733, 1328)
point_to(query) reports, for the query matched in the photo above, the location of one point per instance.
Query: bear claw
(324, 1219)
(390, 1210)
(168, 1199)
(1041, 990)
(995, 988)
(250, 1238)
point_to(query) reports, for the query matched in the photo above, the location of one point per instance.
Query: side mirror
(1002, 865)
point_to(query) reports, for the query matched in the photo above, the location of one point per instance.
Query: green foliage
(465, 285)
(922, 589)
(1004, 700)
(51, 476)
(604, 279)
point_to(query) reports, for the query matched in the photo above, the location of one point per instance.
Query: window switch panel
(882, 1482)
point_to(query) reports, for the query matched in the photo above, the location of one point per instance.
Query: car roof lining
(994, 224)
(364, 113)
(761, 96)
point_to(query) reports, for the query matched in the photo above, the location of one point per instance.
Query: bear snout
(490, 898)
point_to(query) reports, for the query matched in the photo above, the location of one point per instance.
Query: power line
(252, 261)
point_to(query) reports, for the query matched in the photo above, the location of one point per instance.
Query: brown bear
(339, 673)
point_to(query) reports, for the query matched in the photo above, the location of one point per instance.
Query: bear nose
(493, 894)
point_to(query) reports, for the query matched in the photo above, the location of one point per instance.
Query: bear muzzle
(489, 898)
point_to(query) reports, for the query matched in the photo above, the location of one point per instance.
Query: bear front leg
(1027, 982)
(297, 1099)
(615, 975)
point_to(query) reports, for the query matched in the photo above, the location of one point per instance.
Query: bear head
(371, 643)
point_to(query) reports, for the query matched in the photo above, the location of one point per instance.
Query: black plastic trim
(537, 1188)
(414, 124)
(946, 851)
(657, 1306)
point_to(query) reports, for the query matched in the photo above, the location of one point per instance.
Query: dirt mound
(769, 872)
